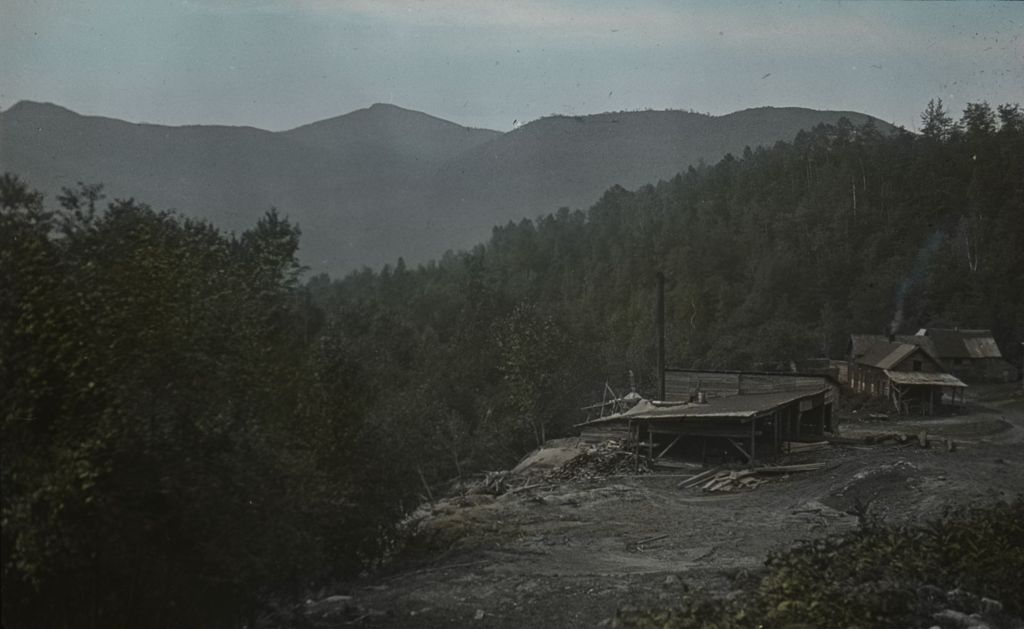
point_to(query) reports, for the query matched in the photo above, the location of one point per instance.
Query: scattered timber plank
(720, 484)
(674, 465)
(707, 486)
(786, 469)
(847, 441)
(697, 478)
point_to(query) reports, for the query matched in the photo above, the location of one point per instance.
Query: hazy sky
(276, 64)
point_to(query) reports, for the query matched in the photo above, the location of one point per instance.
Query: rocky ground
(567, 551)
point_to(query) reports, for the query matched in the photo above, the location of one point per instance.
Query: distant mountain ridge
(382, 182)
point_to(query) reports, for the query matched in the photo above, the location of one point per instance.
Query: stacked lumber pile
(604, 459)
(715, 480)
(732, 481)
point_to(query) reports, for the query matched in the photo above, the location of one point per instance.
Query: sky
(277, 64)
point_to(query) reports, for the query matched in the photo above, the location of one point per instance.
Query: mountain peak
(30, 106)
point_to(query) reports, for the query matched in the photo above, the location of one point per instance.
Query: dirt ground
(569, 554)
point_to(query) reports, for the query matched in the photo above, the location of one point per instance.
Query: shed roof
(958, 343)
(748, 372)
(948, 343)
(924, 378)
(861, 343)
(982, 347)
(733, 407)
(886, 355)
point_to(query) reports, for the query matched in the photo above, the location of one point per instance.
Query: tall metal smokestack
(661, 335)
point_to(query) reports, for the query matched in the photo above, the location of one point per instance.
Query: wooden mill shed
(747, 426)
(906, 374)
(683, 385)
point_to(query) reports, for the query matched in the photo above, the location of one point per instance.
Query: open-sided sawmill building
(723, 415)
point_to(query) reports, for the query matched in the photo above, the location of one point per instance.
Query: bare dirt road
(569, 554)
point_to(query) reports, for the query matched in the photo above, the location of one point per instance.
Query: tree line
(191, 428)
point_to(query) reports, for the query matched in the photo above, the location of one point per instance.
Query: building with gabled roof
(908, 375)
(971, 355)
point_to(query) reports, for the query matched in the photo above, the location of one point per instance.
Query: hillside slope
(570, 161)
(381, 182)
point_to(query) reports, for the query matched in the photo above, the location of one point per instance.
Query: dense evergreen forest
(190, 430)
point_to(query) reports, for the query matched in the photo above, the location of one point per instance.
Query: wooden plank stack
(715, 480)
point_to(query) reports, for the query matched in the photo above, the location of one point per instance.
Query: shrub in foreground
(877, 576)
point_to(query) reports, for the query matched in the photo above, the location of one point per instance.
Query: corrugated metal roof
(947, 343)
(886, 355)
(982, 347)
(737, 407)
(924, 377)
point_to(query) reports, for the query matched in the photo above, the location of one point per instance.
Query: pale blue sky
(277, 64)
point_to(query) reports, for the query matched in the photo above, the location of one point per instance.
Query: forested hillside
(774, 255)
(380, 182)
(189, 430)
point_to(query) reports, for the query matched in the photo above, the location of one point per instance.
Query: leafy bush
(877, 576)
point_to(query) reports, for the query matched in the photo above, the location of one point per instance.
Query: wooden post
(753, 437)
(660, 318)
(634, 433)
(775, 430)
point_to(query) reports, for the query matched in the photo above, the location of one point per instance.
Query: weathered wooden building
(909, 376)
(683, 385)
(722, 415)
(970, 355)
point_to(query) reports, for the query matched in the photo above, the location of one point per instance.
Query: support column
(753, 438)
(775, 430)
(660, 320)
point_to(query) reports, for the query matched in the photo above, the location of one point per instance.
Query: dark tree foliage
(175, 448)
(774, 257)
